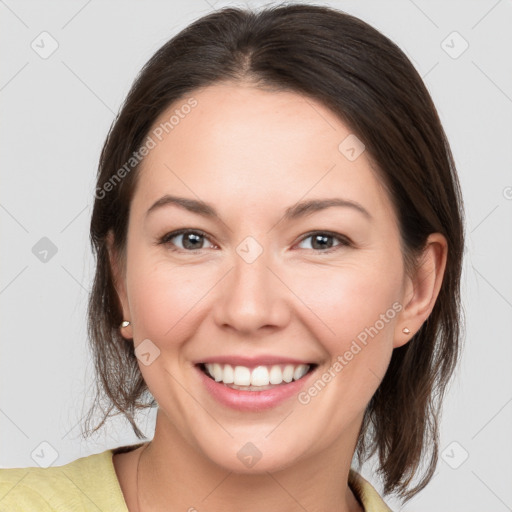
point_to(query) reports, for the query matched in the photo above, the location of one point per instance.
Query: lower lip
(253, 400)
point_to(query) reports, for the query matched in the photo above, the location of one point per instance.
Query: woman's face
(267, 275)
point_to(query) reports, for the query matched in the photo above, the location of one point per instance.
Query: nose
(251, 299)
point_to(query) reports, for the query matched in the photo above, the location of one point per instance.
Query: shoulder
(87, 483)
(366, 493)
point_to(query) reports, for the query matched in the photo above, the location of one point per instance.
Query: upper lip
(263, 360)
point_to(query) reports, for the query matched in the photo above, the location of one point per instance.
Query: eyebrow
(296, 211)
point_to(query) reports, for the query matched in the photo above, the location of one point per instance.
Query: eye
(190, 239)
(322, 241)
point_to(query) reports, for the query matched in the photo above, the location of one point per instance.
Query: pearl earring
(406, 331)
(125, 323)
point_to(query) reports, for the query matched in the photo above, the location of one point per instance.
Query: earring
(406, 331)
(125, 323)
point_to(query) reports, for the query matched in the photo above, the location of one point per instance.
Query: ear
(422, 289)
(119, 283)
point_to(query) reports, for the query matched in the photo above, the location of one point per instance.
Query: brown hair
(367, 80)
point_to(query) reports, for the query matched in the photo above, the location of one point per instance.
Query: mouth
(256, 378)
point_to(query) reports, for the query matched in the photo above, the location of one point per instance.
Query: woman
(278, 227)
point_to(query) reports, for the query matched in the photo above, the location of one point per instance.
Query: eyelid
(173, 234)
(344, 240)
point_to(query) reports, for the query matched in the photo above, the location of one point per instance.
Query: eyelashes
(195, 237)
(198, 235)
(319, 237)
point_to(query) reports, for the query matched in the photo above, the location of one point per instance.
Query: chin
(252, 458)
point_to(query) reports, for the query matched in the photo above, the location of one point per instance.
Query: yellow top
(90, 484)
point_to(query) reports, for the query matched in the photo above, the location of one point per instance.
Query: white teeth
(288, 373)
(300, 371)
(260, 376)
(242, 376)
(276, 375)
(217, 372)
(229, 374)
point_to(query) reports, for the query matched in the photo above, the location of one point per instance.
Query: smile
(254, 387)
(259, 378)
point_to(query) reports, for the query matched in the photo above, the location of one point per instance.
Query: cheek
(355, 310)
(349, 299)
(355, 306)
(163, 296)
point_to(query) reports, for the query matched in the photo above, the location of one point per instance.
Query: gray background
(56, 113)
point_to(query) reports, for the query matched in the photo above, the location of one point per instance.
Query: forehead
(269, 148)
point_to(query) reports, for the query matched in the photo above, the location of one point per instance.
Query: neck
(174, 475)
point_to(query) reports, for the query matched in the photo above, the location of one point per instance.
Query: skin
(251, 154)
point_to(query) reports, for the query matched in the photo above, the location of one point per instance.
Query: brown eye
(324, 241)
(187, 240)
